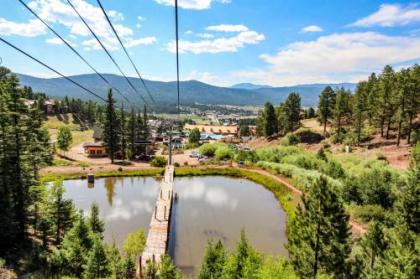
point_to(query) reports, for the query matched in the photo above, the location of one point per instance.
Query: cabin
(96, 149)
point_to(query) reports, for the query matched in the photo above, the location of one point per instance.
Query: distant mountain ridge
(249, 86)
(165, 92)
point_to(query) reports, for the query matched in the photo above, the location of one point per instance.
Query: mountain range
(165, 92)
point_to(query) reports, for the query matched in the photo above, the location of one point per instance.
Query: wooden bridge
(158, 236)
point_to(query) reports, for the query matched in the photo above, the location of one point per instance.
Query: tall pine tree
(111, 127)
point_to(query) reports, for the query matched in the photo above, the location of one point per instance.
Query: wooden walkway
(157, 239)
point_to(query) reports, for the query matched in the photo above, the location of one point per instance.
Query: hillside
(165, 92)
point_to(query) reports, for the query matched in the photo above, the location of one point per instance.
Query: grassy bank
(280, 191)
(142, 172)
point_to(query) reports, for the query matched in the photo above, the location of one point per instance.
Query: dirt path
(356, 228)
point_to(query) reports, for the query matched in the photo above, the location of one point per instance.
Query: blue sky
(223, 42)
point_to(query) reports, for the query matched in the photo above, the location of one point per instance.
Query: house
(96, 149)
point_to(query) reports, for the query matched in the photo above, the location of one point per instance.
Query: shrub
(176, 164)
(334, 169)
(367, 213)
(380, 156)
(223, 153)
(290, 139)
(208, 149)
(186, 163)
(308, 136)
(159, 162)
(414, 137)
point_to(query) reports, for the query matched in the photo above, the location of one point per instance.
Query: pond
(214, 207)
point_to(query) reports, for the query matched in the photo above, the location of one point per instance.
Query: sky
(222, 42)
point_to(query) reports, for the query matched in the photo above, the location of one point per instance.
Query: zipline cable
(73, 49)
(125, 50)
(50, 68)
(106, 50)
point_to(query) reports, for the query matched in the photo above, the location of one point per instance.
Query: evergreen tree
(413, 98)
(97, 265)
(270, 120)
(167, 269)
(326, 106)
(123, 134)
(319, 234)
(360, 108)
(132, 133)
(61, 211)
(134, 243)
(409, 203)
(95, 223)
(213, 262)
(341, 110)
(111, 134)
(292, 109)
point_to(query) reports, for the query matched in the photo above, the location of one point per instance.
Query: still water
(208, 207)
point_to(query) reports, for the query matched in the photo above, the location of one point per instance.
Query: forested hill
(191, 91)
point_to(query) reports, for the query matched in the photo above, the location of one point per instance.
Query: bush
(208, 149)
(367, 213)
(176, 165)
(334, 169)
(380, 156)
(159, 162)
(308, 136)
(414, 137)
(223, 153)
(290, 139)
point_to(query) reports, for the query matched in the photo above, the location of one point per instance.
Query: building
(49, 106)
(97, 133)
(212, 129)
(96, 149)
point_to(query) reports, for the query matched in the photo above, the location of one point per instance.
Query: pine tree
(270, 120)
(95, 223)
(61, 211)
(123, 134)
(413, 102)
(326, 106)
(111, 134)
(341, 109)
(409, 203)
(360, 108)
(97, 265)
(213, 261)
(292, 109)
(319, 234)
(167, 269)
(132, 133)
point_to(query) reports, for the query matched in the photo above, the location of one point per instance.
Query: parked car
(195, 154)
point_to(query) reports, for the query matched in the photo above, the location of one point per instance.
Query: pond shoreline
(287, 198)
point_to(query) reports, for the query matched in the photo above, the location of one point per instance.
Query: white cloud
(212, 44)
(390, 15)
(334, 58)
(188, 32)
(58, 41)
(192, 4)
(205, 35)
(31, 28)
(228, 28)
(142, 41)
(58, 12)
(206, 77)
(311, 28)
(141, 18)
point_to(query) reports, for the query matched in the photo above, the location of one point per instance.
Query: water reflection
(218, 208)
(126, 204)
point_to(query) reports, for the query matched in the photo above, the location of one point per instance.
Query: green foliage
(308, 136)
(326, 106)
(208, 149)
(276, 268)
(97, 265)
(319, 238)
(213, 261)
(159, 162)
(64, 138)
(95, 223)
(223, 153)
(415, 157)
(61, 212)
(134, 243)
(290, 139)
(167, 269)
(111, 127)
(194, 137)
(409, 202)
